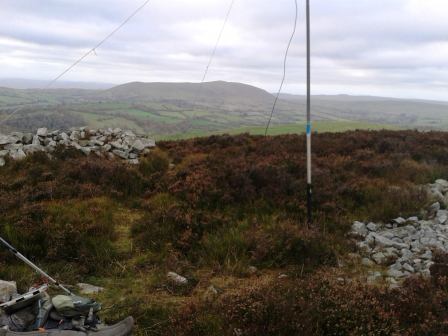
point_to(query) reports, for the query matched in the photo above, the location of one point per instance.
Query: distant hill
(188, 109)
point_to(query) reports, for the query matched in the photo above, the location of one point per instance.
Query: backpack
(75, 306)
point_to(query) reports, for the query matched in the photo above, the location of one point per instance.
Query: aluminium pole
(309, 189)
(29, 263)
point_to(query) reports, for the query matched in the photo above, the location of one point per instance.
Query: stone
(7, 139)
(36, 140)
(121, 154)
(88, 289)
(138, 145)
(8, 289)
(18, 155)
(2, 162)
(399, 220)
(117, 144)
(408, 268)
(42, 132)
(442, 216)
(27, 138)
(412, 219)
(359, 229)
(14, 147)
(363, 247)
(3, 153)
(372, 227)
(441, 185)
(106, 148)
(385, 242)
(427, 255)
(433, 208)
(29, 149)
(379, 258)
(86, 150)
(177, 279)
(395, 273)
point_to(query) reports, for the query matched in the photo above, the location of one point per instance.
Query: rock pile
(110, 143)
(406, 246)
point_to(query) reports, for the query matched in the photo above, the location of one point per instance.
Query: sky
(395, 48)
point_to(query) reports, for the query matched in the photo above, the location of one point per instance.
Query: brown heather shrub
(74, 231)
(319, 305)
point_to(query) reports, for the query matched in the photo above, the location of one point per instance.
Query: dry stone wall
(110, 143)
(405, 246)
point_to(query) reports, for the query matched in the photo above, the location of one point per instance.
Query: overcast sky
(373, 47)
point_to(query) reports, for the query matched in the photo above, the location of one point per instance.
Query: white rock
(379, 258)
(120, 153)
(408, 268)
(89, 289)
(18, 155)
(399, 220)
(177, 279)
(138, 145)
(372, 227)
(28, 149)
(42, 132)
(395, 273)
(2, 162)
(385, 242)
(8, 289)
(427, 255)
(359, 229)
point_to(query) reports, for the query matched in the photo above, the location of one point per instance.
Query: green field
(299, 128)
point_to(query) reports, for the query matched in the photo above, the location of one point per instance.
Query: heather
(228, 212)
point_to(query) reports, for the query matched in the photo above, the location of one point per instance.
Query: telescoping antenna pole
(29, 263)
(309, 189)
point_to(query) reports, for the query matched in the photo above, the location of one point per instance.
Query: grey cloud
(359, 46)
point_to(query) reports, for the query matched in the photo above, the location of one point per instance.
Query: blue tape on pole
(308, 129)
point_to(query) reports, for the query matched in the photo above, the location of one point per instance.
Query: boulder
(29, 149)
(27, 138)
(395, 273)
(138, 145)
(42, 132)
(399, 220)
(433, 209)
(177, 279)
(8, 289)
(88, 289)
(372, 227)
(8, 139)
(379, 258)
(17, 155)
(120, 153)
(384, 242)
(359, 229)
